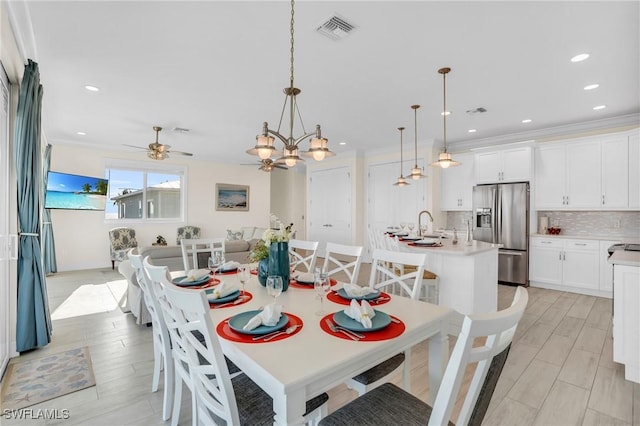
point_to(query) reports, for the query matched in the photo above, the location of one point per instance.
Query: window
(139, 194)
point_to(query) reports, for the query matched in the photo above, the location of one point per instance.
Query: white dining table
(311, 361)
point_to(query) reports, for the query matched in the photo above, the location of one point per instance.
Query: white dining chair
(429, 291)
(220, 398)
(383, 276)
(390, 405)
(162, 359)
(342, 258)
(192, 247)
(306, 258)
(160, 282)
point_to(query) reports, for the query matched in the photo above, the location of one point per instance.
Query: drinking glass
(322, 286)
(243, 276)
(402, 226)
(411, 225)
(212, 264)
(274, 286)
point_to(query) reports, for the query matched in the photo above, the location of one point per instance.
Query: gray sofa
(171, 256)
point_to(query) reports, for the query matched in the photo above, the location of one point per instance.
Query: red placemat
(226, 332)
(425, 246)
(254, 272)
(212, 282)
(247, 297)
(389, 332)
(336, 298)
(295, 284)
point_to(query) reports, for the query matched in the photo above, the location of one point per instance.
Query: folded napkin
(221, 290)
(195, 275)
(232, 264)
(354, 290)
(361, 312)
(305, 277)
(269, 316)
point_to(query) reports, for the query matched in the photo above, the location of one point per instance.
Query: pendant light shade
(416, 172)
(401, 181)
(444, 159)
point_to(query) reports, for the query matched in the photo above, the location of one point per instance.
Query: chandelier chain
(291, 40)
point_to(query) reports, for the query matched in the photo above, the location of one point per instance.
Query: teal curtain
(48, 242)
(33, 321)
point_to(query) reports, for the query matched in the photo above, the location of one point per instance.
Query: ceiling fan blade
(188, 154)
(138, 147)
(278, 166)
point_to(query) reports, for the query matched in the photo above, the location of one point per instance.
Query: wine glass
(215, 262)
(402, 226)
(274, 286)
(243, 276)
(322, 286)
(411, 225)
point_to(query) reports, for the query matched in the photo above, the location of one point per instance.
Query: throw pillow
(247, 232)
(233, 235)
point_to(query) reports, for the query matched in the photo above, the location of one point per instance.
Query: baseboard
(578, 290)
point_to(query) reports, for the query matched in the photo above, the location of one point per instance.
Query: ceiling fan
(158, 151)
(268, 165)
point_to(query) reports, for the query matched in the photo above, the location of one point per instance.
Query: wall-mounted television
(75, 192)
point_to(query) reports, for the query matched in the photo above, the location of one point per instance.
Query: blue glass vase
(279, 262)
(263, 271)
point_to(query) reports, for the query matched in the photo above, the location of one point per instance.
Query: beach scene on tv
(75, 192)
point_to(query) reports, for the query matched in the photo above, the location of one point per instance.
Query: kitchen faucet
(420, 219)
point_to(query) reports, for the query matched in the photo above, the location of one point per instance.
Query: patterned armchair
(188, 233)
(120, 241)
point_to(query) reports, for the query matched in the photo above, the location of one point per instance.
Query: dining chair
(343, 258)
(158, 276)
(390, 405)
(383, 275)
(429, 291)
(162, 359)
(191, 248)
(308, 259)
(220, 398)
(120, 241)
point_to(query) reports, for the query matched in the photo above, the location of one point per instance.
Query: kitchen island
(626, 316)
(467, 274)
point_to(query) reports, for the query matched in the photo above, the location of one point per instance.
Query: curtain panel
(33, 320)
(48, 242)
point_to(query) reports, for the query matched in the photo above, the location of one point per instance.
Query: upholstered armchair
(120, 241)
(188, 233)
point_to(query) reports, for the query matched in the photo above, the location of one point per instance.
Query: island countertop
(627, 258)
(448, 248)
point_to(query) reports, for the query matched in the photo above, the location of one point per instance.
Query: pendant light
(402, 181)
(416, 172)
(444, 159)
(265, 146)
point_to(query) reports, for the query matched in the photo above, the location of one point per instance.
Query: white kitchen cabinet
(626, 320)
(508, 165)
(456, 184)
(583, 175)
(634, 170)
(606, 268)
(615, 172)
(566, 264)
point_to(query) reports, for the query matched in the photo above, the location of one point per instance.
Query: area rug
(33, 381)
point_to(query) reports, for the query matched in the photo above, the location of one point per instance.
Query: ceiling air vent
(335, 27)
(478, 110)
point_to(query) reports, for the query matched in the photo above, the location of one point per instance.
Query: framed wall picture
(232, 197)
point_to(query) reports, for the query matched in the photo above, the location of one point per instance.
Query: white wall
(81, 237)
(288, 198)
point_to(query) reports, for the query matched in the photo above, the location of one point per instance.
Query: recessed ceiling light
(526, 120)
(342, 143)
(591, 86)
(579, 58)
(599, 107)
(81, 133)
(472, 130)
(445, 113)
(92, 88)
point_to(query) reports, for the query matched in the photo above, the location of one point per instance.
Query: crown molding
(566, 130)
(20, 20)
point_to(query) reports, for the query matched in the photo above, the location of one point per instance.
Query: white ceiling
(218, 69)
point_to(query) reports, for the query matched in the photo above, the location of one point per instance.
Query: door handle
(510, 253)
(559, 255)
(603, 200)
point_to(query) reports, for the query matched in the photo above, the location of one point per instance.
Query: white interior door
(330, 210)
(5, 255)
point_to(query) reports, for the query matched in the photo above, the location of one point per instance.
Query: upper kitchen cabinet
(634, 170)
(507, 165)
(592, 173)
(456, 184)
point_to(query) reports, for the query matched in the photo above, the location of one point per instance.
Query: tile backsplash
(574, 223)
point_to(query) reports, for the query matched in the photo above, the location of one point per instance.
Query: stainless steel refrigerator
(501, 216)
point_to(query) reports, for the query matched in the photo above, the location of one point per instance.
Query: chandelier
(444, 159)
(416, 172)
(401, 181)
(265, 146)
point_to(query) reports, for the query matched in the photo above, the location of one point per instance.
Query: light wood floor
(559, 371)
